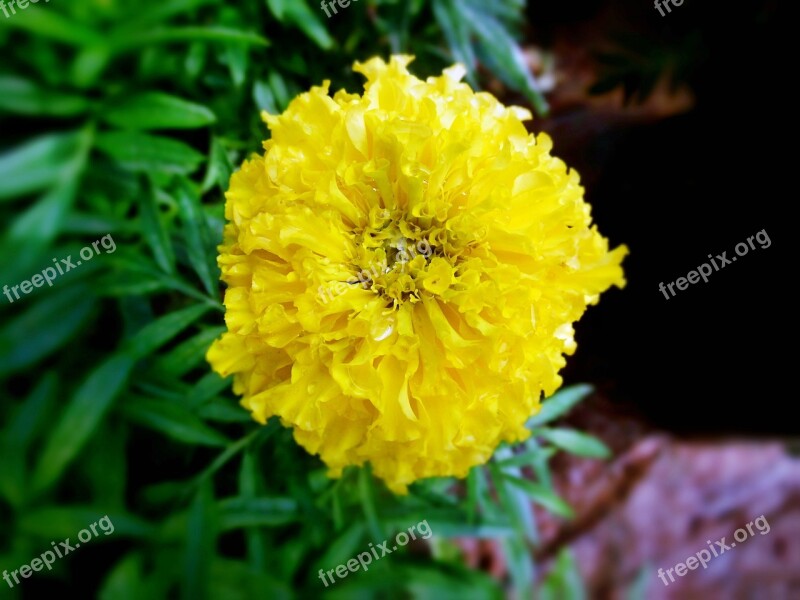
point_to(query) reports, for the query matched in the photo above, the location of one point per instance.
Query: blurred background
(121, 125)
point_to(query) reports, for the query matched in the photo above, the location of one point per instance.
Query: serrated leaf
(157, 110)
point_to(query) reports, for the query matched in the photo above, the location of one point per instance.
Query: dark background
(713, 359)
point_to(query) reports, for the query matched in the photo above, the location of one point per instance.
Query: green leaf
(189, 354)
(155, 231)
(162, 330)
(264, 98)
(235, 580)
(161, 12)
(43, 328)
(237, 57)
(39, 224)
(23, 97)
(156, 110)
(19, 431)
(514, 502)
(520, 566)
(18, 434)
(457, 34)
(564, 580)
(66, 521)
(37, 164)
(343, 548)
(470, 25)
(201, 536)
(278, 85)
(366, 492)
(82, 415)
(528, 458)
(504, 57)
(89, 65)
(575, 442)
(200, 248)
(125, 580)
(174, 421)
(243, 512)
(224, 411)
(144, 153)
(454, 583)
(44, 22)
(142, 274)
(279, 8)
(542, 495)
(187, 34)
(220, 167)
(559, 404)
(209, 386)
(297, 13)
(249, 486)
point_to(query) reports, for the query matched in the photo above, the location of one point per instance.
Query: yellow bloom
(403, 269)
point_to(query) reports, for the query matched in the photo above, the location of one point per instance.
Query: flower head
(404, 268)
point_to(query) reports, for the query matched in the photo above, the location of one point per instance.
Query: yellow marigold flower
(403, 269)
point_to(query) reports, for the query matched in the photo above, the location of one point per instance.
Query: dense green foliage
(123, 121)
